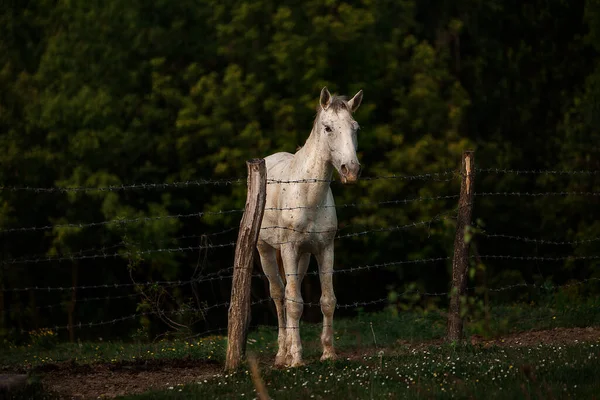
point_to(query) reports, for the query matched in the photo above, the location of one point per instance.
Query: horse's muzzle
(350, 174)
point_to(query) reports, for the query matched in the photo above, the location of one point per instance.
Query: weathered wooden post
(460, 263)
(239, 307)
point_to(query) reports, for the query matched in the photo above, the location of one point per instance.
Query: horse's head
(335, 124)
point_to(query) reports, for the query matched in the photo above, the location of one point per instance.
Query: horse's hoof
(294, 360)
(328, 356)
(280, 361)
(297, 363)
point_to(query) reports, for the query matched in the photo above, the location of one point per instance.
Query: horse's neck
(311, 163)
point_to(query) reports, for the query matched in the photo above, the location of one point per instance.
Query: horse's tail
(280, 265)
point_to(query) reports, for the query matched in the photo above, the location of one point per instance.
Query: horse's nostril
(344, 169)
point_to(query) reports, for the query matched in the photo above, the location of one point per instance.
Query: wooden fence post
(239, 307)
(460, 263)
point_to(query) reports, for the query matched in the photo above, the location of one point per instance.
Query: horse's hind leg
(294, 304)
(268, 259)
(328, 300)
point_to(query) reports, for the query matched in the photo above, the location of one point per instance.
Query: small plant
(5, 343)
(411, 299)
(45, 338)
(141, 334)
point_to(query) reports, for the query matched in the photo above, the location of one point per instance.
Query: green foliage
(107, 93)
(43, 338)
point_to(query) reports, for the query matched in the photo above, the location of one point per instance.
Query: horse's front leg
(328, 300)
(294, 305)
(268, 260)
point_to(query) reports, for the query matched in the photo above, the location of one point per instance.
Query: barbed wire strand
(427, 261)
(114, 254)
(119, 221)
(64, 303)
(180, 311)
(441, 216)
(435, 176)
(348, 270)
(537, 171)
(102, 251)
(366, 204)
(537, 258)
(103, 286)
(221, 212)
(204, 182)
(231, 181)
(538, 241)
(533, 194)
(124, 187)
(352, 305)
(536, 285)
(220, 275)
(103, 254)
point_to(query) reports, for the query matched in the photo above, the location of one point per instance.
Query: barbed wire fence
(133, 291)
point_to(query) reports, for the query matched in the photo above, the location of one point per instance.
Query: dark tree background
(100, 93)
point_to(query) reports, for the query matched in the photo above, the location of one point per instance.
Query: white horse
(300, 220)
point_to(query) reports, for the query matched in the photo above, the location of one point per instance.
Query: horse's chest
(299, 215)
(309, 227)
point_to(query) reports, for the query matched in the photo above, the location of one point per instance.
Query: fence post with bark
(460, 262)
(239, 307)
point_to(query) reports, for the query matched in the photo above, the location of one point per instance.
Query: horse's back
(276, 165)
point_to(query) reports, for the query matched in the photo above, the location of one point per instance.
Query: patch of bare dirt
(556, 336)
(110, 380)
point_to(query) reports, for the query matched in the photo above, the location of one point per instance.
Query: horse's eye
(327, 128)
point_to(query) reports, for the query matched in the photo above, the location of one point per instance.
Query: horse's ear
(354, 102)
(325, 98)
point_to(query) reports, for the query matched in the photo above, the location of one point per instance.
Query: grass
(541, 372)
(31, 357)
(381, 364)
(367, 330)
(383, 329)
